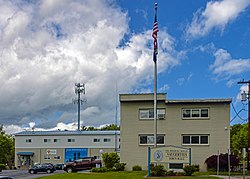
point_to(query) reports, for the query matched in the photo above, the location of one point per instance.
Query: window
(204, 112)
(57, 140)
(149, 113)
(107, 140)
(145, 139)
(195, 113)
(46, 140)
(71, 140)
(57, 157)
(195, 139)
(97, 140)
(46, 157)
(176, 166)
(28, 140)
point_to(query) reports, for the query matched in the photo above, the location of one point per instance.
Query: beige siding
(173, 127)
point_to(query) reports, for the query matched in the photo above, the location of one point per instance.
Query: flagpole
(155, 104)
(154, 35)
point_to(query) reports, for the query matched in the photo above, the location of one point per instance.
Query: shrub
(99, 170)
(170, 173)
(136, 168)
(223, 162)
(2, 166)
(119, 166)
(157, 170)
(110, 159)
(190, 169)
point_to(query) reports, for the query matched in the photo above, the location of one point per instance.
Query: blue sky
(47, 46)
(195, 77)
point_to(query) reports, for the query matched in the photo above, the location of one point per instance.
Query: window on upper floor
(28, 140)
(145, 114)
(197, 113)
(148, 139)
(97, 140)
(71, 140)
(106, 140)
(46, 140)
(195, 139)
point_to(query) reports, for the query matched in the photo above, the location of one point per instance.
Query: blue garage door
(72, 154)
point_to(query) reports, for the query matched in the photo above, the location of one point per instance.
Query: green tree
(7, 148)
(110, 127)
(105, 128)
(239, 138)
(91, 128)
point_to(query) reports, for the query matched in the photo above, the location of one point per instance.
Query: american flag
(154, 34)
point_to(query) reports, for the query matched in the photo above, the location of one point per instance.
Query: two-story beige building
(200, 125)
(62, 146)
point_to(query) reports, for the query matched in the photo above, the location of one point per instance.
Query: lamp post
(101, 152)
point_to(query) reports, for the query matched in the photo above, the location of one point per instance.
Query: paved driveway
(23, 174)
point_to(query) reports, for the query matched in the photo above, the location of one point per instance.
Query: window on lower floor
(46, 157)
(97, 140)
(71, 140)
(28, 140)
(57, 157)
(176, 166)
(195, 139)
(57, 140)
(148, 139)
(107, 140)
(46, 140)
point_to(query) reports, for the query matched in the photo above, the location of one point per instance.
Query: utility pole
(79, 88)
(244, 97)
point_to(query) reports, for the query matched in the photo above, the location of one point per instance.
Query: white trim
(193, 135)
(200, 117)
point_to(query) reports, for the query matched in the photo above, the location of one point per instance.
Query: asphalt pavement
(24, 174)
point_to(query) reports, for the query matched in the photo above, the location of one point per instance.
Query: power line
(237, 114)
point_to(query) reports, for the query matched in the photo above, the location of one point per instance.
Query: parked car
(44, 167)
(82, 164)
(59, 166)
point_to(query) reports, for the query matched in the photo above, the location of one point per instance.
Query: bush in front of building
(99, 170)
(190, 169)
(223, 162)
(110, 159)
(157, 170)
(137, 168)
(119, 166)
(171, 173)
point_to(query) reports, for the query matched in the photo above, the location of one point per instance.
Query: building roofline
(162, 97)
(215, 100)
(141, 97)
(57, 133)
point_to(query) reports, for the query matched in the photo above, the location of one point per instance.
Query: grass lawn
(115, 175)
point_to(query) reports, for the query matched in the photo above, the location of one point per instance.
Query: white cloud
(180, 81)
(217, 14)
(50, 45)
(225, 66)
(164, 88)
